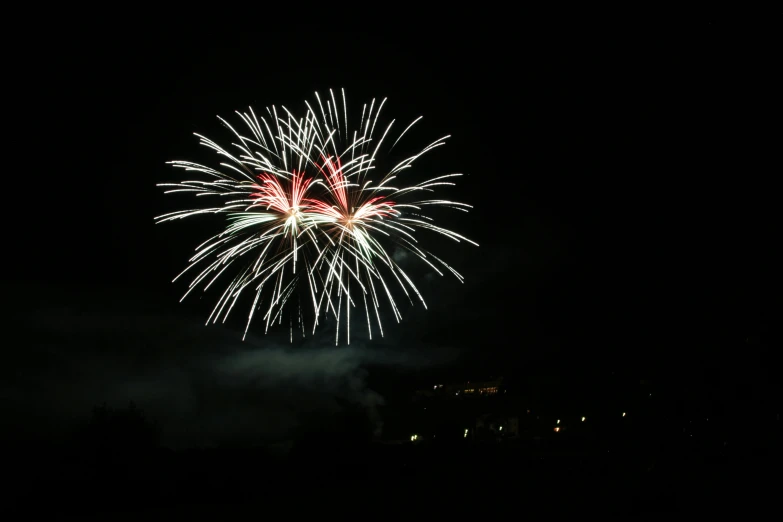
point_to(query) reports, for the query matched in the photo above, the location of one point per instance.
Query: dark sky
(621, 178)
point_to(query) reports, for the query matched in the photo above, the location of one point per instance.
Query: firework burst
(309, 224)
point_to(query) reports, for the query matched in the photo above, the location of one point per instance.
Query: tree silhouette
(127, 428)
(120, 441)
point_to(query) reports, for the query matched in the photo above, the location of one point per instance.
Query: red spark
(272, 195)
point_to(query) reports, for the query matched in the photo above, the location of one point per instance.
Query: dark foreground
(512, 477)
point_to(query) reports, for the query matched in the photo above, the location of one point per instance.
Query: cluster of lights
(557, 424)
(500, 428)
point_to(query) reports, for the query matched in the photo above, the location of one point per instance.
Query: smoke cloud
(202, 384)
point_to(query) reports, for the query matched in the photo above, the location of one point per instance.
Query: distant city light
(623, 414)
(414, 437)
(557, 428)
(500, 429)
(558, 421)
(466, 433)
(584, 419)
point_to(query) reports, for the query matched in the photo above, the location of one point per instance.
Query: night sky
(624, 206)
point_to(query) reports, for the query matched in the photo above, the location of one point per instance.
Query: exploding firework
(308, 223)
